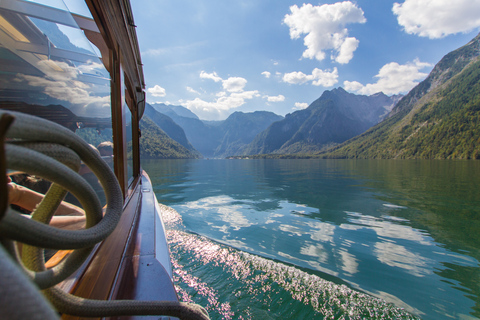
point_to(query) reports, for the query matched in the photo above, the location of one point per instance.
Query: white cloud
(393, 78)
(234, 84)
(245, 94)
(439, 18)
(318, 77)
(220, 107)
(354, 86)
(278, 98)
(325, 29)
(190, 89)
(266, 74)
(213, 76)
(345, 53)
(296, 77)
(300, 105)
(233, 96)
(157, 91)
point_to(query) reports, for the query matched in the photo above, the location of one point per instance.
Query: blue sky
(216, 57)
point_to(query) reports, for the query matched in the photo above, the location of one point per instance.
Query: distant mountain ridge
(219, 139)
(174, 111)
(438, 119)
(331, 119)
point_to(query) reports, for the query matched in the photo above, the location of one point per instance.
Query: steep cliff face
(240, 128)
(156, 144)
(173, 130)
(450, 65)
(439, 118)
(333, 118)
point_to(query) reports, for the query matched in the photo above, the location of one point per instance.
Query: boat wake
(232, 284)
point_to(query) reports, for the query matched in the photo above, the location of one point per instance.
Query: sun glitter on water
(233, 284)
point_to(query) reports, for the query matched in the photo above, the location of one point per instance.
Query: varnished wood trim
(97, 281)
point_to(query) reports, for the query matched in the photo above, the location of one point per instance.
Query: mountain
(156, 144)
(202, 136)
(331, 119)
(169, 126)
(438, 119)
(239, 129)
(219, 139)
(174, 111)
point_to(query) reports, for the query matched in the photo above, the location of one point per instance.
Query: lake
(324, 239)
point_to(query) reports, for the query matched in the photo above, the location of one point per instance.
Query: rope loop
(46, 149)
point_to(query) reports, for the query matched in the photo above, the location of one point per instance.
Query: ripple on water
(232, 284)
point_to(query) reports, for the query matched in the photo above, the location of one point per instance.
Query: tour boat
(78, 72)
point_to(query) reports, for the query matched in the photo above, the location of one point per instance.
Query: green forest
(446, 127)
(156, 144)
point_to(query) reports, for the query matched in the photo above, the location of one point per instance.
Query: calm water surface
(315, 239)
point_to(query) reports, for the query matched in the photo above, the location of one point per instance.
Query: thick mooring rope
(46, 149)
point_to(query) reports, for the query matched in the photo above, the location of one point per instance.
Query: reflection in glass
(127, 124)
(48, 68)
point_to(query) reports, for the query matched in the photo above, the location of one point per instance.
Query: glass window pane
(48, 68)
(127, 114)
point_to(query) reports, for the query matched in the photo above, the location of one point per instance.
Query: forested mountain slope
(169, 126)
(331, 119)
(156, 144)
(438, 119)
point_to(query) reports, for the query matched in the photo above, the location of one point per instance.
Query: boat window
(73, 6)
(48, 68)
(127, 121)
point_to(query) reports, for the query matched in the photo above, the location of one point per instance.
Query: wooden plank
(98, 279)
(142, 276)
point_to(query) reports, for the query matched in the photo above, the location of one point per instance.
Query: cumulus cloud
(325, 29)
(439, 18)
(278, 98)
(266, 74)
(220, 107)
(157, 91)
(232, 96)
(300, 105)
(213, 76)
(318, 77)
(393, 78)
(234, 84)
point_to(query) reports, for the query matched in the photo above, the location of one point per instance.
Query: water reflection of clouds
(318, 249)
(315, 250)
(226, 212)
(386, 228)
(349, 262)
(293, 230)
(272, 216)
(387, 251)
(396, 255)
(321, 231)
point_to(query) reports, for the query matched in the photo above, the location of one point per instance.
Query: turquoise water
(324, 239)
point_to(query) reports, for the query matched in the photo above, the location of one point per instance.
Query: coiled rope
(46, 149)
